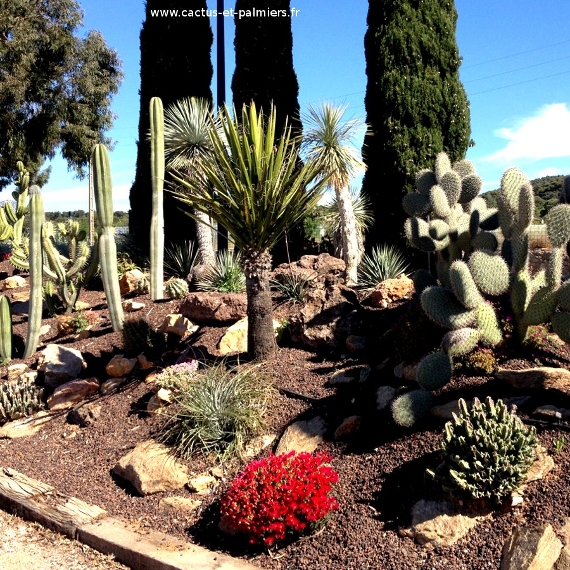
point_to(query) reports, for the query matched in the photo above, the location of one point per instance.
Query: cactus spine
(5, 330)
(157, 219)
(107, 247)
(36, 207)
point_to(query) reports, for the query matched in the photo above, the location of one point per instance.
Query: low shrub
(225, 276)
(280, 497)
(487, 451)
(216, 411)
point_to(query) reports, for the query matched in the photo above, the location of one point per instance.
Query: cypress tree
(415, 103)
(175, 63)
(264, 70)
(264, 73)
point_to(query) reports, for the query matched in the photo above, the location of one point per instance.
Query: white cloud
(548, 172)
(542, 136)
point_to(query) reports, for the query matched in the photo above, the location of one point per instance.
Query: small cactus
(176, 288)
(487, 451)
(408, 408)
(136, 335)
(19, 399)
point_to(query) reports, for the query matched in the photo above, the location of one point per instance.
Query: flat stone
(235, 337)
(348, 428)
(59, 364)
(129, 280)
(178, 325)
(14, 371)
(201, 483)
(384, 395)
(214, 307)
(541, 466)
(81, 306)
(71, 393)
(552, 412)
(150, 468)
(25, 427)
(543, 378)
(257, 444)
(131, 306)
(14, 282)
(531, 548)
(302, 436)
(112, 384)
(84, 416)
(144, 362)
(181, 505)
(340, 377)
(356, 344)
(390, 290)
(120, 366)
(441, 523)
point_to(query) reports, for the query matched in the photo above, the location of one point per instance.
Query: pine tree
(55, 88)
(175, 63)
(264, 73)
(415, 103)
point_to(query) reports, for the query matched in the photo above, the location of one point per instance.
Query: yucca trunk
(260, 334)
(351, 252)
(204, 239)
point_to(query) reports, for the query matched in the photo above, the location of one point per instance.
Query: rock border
(35, 501)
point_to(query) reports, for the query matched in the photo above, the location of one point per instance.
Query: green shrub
(384, 262)
(180, 259)
(293, 286)
(225, 276)
(480, 362)
(487, 451)
(217, 410)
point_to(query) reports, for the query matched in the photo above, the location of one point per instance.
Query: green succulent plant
(487, 451)
(18, 399)
(474, 273)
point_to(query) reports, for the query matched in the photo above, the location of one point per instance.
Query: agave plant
(180, 258)
(253, 186)
(384, 262)
(226, 275)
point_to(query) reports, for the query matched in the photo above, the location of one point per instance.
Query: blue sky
(516, 70)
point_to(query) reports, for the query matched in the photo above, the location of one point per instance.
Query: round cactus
(410, 407)
(176, 288)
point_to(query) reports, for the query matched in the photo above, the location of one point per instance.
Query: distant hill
(546, 194)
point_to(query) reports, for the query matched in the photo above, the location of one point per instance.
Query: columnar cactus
(5, 329)
(36, 207)
(487, 451)
(107, 247)
(12, 221)
(449, 219)
(157, 219)
(19, 399)
(64, 273)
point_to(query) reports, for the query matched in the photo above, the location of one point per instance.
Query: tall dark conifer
(415, 103)
(175, 63)
(264, 73)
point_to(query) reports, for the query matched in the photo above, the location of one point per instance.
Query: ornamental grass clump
(487, 451)
(217, 411)
(280, 497)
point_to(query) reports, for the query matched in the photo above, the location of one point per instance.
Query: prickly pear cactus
(487, 451)
(474, 274)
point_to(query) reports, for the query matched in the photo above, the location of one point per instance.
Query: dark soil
(381, 471)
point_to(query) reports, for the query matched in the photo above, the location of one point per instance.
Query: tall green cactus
(157, 219)
(36, 207)
(449, 219)
(12, 220)
(106, 243)
(5, 330)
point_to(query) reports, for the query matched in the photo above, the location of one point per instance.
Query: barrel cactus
(481, 259)
(176, 288)
(487, 451)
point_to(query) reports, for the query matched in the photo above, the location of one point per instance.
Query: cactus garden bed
(381, 467)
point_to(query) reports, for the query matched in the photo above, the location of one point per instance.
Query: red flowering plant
(280, 497)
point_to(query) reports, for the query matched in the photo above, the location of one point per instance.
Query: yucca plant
(225, 275)
(180, 259)
(216, 411)
(253, 186)
(293, 286)
(328, 141)
(384, 262)
(186, 142)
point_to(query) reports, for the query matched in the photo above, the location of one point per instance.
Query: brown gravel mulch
(381, 471)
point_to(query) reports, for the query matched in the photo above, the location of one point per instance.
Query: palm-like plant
(252, 185)
(328, 141)
(186, 141)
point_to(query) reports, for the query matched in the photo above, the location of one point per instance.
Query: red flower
(280, 496)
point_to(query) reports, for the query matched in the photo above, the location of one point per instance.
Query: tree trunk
(204, 238)
(351, 252)
(260, 334)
